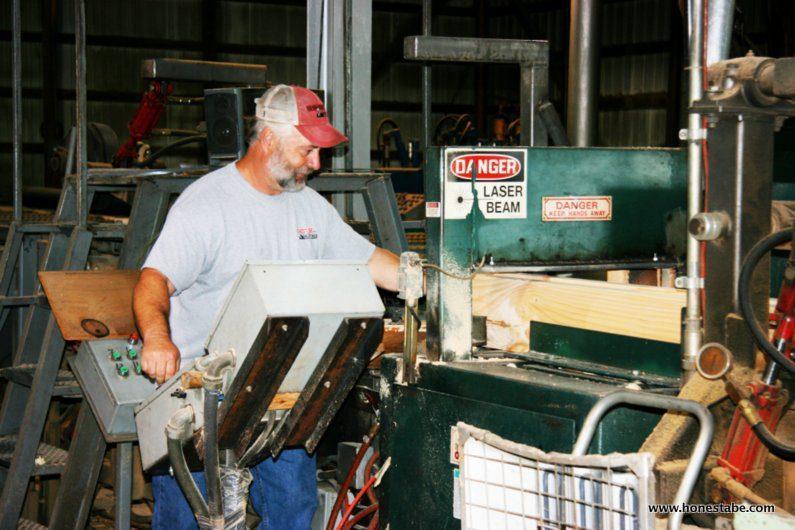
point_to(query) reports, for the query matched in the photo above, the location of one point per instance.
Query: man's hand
(160, 358)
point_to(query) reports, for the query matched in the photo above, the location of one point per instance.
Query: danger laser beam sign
(500, 182)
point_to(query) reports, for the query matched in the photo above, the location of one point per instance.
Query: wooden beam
(104, 295)
(511, 302)
(284, 401)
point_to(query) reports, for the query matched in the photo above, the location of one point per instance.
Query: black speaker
(226, 111)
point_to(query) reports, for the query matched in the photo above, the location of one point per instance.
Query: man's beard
(286, 176)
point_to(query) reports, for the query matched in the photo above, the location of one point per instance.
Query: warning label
(500, 181)
(596, 208)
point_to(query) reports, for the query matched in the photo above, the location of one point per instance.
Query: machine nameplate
(500, 183)
(589, 208)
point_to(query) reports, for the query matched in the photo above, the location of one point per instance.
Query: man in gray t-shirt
(253, 210)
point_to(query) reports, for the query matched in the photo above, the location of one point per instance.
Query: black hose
(777, 447)
(761, 249)
(184, 478)
(212, 472)
(160, 152)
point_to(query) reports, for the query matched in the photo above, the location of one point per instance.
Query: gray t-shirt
(220, 222)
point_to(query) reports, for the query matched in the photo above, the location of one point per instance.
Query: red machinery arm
(152, 105)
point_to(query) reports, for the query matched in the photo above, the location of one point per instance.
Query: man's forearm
(160, 358)
(383, 267)
(151, 305)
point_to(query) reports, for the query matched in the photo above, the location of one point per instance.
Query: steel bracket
(688, 282)
(697, 135)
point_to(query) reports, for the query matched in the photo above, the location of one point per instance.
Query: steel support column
(81, 153)
(427, 95)
(325, 64)
(692, 334)
(122, 485)
(534, 91)
(339, 52)
(720, 20)
(583, 82)
(16, 106)
(740, 155)
(358, 68)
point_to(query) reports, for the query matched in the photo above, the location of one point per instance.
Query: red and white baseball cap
(298, 106)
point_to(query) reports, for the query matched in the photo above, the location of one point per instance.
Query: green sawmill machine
(494, 210)
(538, 210)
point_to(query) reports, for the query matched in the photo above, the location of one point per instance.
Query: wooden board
(104, 295)
(284, 401)
(511, 302)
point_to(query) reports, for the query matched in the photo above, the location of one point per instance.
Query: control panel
(110, 375)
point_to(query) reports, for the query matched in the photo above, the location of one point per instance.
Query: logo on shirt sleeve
(307, 233)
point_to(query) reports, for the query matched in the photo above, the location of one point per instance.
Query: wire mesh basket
(505, 485)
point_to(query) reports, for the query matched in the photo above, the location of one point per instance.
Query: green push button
(132, 354)
(122, 370)
(137, 367)
(115, 355)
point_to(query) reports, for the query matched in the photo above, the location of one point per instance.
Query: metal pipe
(692, 328)
(719, 30)
(81, 153)
(179, 429)
(214, 367)
(426, 82)
(212, 471)
(185, 480)
(657, 401)
(738, 489)
(576, 267)
(16, 105)
(583, 82)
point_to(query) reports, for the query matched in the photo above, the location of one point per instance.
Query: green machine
(541, 209)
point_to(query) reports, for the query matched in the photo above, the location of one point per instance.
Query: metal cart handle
(700, 450)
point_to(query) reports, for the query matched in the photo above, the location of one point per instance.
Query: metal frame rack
(35, 370)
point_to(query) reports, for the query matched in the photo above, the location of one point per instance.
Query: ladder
(34, 378)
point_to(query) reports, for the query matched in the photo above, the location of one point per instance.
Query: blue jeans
(283, 492)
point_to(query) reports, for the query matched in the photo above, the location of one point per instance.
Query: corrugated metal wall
(640, 71)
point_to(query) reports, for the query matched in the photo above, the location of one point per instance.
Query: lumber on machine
(511, 302)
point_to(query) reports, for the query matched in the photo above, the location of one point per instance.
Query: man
(253, 210)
